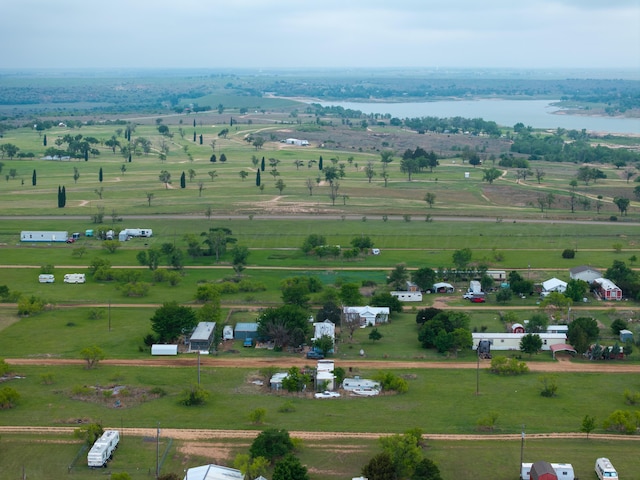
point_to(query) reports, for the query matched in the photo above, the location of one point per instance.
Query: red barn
(543, 471)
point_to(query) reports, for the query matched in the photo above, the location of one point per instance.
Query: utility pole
(478, 370)
(522, 450)
(109, 314)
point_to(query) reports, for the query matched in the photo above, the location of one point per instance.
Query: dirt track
(284, 362)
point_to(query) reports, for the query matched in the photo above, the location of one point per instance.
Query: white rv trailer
(102, 450)
(604, 469)
(564, 471)
(74, 278)
(46, 278)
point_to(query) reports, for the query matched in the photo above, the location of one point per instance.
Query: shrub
(287, 407)
(195, 395)
(488, 422)
(549, 385)
(508, 366)
(631, 398)
(568, 253)
(257, 416)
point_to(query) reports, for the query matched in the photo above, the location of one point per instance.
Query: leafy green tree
(149, 258)
(329, 311)
(257, 416)
(404, 451)
(271, 444)
(622, 421)
(312, 241)
(504, 295)
(375, 335)
(9, 397)
(617, 325)
(531, 343)
(90, 433)
(582, 332)
(461, 258)
(217, 240)
(490, 174)
(193, 396)
(92, 355)
(285, 325)
(622, 203)
(380, 467)
(385, 299)
(427, 314)
(424, 278)
(183, 180)
(34, 178)
(350, 294)
(172, 320)
(426, 470)
(239, 255)
(576, 289)
(538, 323)
(290, 468)
(324, 344)
(398, 277)
(362, 243)
(588, 425)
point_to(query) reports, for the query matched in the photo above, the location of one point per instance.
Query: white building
(553, 285)
(351, 384)
(213, 472)
(405, 296)
(367, 316)
(297, 142)
(511, 341)
(321, 329)
(584, 273)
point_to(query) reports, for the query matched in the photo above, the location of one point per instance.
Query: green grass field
(496, 221)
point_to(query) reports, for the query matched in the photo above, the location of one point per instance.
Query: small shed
(626, 335)
(227, 332)
(202, 337)
(245, 330)
(543, 471)
(517, 328)
(161, 349)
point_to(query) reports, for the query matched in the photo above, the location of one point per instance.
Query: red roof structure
(562, 347)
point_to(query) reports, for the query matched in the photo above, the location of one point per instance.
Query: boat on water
(365, 392)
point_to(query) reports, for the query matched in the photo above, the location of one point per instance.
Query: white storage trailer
(75, 278)
(43, 236)
(102, 450)
(564, 471)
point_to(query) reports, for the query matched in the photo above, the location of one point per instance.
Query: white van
(74, 278)
(605, 470)
(46, 278)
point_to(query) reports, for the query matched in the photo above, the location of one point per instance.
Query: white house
(584, 273)
(321, 329)
(367, 316)
(511, 341)
(553, 285)
(213, 472)
(297, 142)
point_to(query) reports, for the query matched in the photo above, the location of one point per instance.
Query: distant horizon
(281, 34)
(620, 73)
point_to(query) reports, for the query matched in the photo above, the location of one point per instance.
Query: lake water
(533, 113)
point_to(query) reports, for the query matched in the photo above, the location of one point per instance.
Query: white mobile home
(405, 296)
(350, 384)
(202, 337)
(43, 236)
(74, 278)
(511, 341)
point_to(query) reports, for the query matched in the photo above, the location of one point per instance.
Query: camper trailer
(46, 278)
(103, 448)
(605, 470)
(74, 278)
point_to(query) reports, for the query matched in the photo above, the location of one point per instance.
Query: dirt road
(285, 362)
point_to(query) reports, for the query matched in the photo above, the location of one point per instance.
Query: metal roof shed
(246, 330)
(213, 472)
(202, 337)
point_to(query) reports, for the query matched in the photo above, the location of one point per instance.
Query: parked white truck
(103, 448)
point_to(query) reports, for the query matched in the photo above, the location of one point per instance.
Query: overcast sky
(320, 33)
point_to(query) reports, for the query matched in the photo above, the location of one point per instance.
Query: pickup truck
(248, 342)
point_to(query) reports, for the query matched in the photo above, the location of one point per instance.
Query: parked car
(71, 240)
(248, 342)
(327, 394)
(313, 355)
(478, 299)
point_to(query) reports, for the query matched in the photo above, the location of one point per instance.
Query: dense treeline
(554, 148)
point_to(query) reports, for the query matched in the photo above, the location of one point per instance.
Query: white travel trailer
(563, 471)
(405, 296)
(74, 278)
(604, 469)
(103, 448)
(46, 278)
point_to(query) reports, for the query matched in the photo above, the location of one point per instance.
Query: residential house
(607, 289)
(585, 273)
(367, 316)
